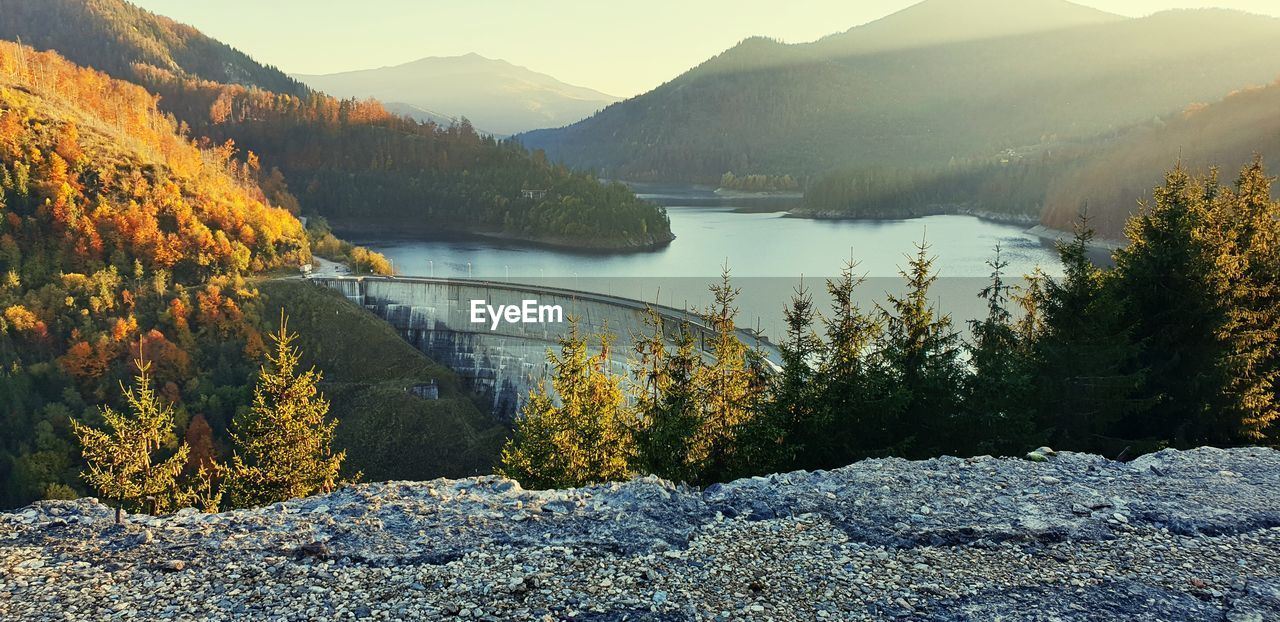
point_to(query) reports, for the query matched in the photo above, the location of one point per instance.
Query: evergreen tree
(1030, 300)
(665, 401)
(853, 421)
(576, 433)
(1176, 288)
(122, 462)
(284, 441)
(1252, 223)
(1084, 360)
(783, 431)
(727, 390)
(922, 357)
(998, 411)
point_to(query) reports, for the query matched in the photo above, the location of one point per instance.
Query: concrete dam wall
(504, 361)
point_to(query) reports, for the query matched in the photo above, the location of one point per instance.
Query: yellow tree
(577, 432)
(122, 463)
(728, 391)
(283, 443)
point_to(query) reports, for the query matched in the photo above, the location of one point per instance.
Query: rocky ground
(1171, 536)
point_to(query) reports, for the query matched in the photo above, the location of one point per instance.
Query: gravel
(1171, 536)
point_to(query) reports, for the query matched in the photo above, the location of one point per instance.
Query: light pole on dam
(503, 359)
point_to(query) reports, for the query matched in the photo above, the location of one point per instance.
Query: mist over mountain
(493, 94)
(1110, 180)
(894, 93)
(937, 22)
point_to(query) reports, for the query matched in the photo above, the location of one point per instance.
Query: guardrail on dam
(504, 362)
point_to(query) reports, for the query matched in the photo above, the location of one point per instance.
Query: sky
(621, 48)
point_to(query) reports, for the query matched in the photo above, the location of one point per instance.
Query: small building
(428, 391)
(536, 195)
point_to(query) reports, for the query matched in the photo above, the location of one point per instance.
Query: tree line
(1177, 345)
(1009, 185)
(354, 161)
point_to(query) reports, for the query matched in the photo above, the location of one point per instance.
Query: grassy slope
(388, 434)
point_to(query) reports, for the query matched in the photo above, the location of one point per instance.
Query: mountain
(938, 22)
(115, 36)
(351, 161)
(1111, 180)
(860, 100)
(493, 94)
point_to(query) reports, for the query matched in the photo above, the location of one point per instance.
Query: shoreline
(1050, 234)
(1023, 220)
(1032, 224)
(354, 230)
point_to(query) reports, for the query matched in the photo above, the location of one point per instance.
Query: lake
(766, 251)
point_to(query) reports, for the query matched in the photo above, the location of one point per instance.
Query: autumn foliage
(120, 239)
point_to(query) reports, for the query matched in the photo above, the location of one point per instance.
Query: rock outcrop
(1171, 536)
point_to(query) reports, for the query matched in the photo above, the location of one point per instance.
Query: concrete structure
(505, 361)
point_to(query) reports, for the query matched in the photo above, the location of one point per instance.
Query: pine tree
(728, 392)
(998, 410)
(578, 432)
(122, 462)
(922, 357)
(1252, 222)
(284, 442)
(784, 430)
(666, 406)
(1177, 296)
(1086, 374)
(852, 421)
(1030, 300)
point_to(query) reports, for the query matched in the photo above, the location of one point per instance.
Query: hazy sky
(622, 48)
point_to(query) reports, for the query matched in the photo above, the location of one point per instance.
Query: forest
(351, 161)
(1011, 186)
(120, 239)
(1177, 345)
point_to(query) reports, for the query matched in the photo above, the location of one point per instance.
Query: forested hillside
(116, 36)
(1115, 176)
(1107, 176)
(348, 160)
(119, 239)
(768, 108)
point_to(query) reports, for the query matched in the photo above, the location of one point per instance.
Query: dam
(503, 360)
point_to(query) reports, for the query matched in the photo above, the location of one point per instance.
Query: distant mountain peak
(495, 94)
(936, 22)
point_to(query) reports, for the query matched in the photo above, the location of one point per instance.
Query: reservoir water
(767, 252)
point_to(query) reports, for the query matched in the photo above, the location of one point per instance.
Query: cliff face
(1171, 536)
